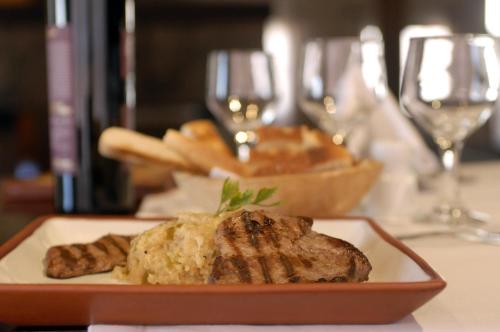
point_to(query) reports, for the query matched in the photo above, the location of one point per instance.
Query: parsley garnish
(232, 198)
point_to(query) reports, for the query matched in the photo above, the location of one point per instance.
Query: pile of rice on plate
(175, 252)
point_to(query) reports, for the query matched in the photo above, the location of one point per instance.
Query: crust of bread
(287, 150)
(204, 131)
(280, 135)
(131, 146)
(200, 155)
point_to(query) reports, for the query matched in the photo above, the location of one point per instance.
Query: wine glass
(341, 80)
(240, 93)
(449, 87)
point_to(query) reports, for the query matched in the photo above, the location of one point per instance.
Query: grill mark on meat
(216, 269)
(289, 229)
(123, 242)
(67, 256)
(101, 246)
(270, 233)
(90, 259)
(287, 265)
(242, 266)
(116, 244)
(230, 235)
(265, 270)
(307, 263)
(252, 228)
(295, 260)
(229, 232)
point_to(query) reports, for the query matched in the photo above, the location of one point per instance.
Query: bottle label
(127, 74)
(62, 122)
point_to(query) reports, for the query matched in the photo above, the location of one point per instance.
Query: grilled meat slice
(67, 261)
(258, 248)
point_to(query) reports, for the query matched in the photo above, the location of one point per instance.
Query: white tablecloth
(470, 302)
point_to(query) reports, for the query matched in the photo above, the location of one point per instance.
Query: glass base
(454, 216)
(465, 224)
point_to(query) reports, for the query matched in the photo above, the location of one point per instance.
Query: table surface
(471, 300)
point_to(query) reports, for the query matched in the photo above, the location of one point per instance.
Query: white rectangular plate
(24, 264)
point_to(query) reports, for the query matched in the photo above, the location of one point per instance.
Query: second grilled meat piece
(67, 261)
(257, 248)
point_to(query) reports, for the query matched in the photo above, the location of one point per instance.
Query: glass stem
(243, 151)
(340, 137)
(244, 140)
(450, 193)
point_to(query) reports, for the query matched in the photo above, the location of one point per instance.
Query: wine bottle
(90, 66)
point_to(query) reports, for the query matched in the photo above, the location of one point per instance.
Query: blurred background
(173, 38)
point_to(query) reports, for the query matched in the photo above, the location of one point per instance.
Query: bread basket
(315, 194)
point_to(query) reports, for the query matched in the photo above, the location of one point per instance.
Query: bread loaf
(131, 146)
(200, 155)
(296, 150)
(204, 131)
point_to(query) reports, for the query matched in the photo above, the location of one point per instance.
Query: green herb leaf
(241, 199)
(263, 194)
(232, 199)
(229, 189)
